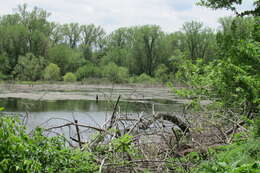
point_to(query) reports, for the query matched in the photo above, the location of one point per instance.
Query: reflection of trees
(14, 104)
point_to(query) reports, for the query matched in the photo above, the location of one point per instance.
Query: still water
(88, 112)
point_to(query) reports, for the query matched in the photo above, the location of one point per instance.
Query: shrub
(144, 78)
(161, 73)
(115, 73)
(88, 71)
(20, 152)
(29, 67)
(52, 72)
(2, 76)
(69, 77)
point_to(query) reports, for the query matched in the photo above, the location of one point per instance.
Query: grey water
(46, 113)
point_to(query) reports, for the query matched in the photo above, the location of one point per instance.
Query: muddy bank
(86, 92)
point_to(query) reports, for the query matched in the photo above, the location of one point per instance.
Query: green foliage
(232, 5)
(115, 73)
(123, 144)
(88, 71)
(257, 128)
(199, 41)
(148, 50)
(236, 158)
(68, 59)
(71, 34)
(239, 157)
(143, 78)
(69, 77)
(51, 72)
(37, 153)
(29, 67)
(140, 49)
(5, 66)
(234, 80)
(2, 76)
(162, 73)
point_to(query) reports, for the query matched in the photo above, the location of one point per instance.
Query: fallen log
(145, 124)
(175, 120)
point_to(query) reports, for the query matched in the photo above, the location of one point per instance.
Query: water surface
(47, 113)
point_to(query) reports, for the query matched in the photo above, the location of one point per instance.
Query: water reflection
(85, 111)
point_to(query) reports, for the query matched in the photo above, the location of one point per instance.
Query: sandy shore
(86, 92)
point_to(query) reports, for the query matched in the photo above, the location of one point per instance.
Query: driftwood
(168, 117)
(175, 120)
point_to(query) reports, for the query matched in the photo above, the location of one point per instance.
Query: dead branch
(113, 117)
(73, 124)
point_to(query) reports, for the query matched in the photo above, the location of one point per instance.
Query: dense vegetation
(220, 67)
(33, 48)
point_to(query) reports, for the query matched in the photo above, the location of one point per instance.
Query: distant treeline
(33, 48)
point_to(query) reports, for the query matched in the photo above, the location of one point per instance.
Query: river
(48, 106)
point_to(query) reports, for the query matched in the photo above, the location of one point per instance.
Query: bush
(51, 72)
(20, 152)
(29, 67)
(115, 73)
(161, 73)
(2, 76)
(88, 71)
(69, 77)
(235, 158)
(143, 78)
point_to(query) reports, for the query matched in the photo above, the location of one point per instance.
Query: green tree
(92, 35)
(232, 80)
(66, 58)
(71, 34)
(56, 34)
(93, 42)
(38, 29)
(200, 41)
(148, 49)
(13, 43)
(29, 67)
(51, 72)
(119, 46)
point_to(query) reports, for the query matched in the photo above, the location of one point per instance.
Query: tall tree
(38, 28)
(199, 40)
(147, 49)
(92, 41)
(71, 34)
(119, 45)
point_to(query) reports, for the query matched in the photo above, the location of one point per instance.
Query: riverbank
(77, 91)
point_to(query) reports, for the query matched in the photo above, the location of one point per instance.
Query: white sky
(112, 14)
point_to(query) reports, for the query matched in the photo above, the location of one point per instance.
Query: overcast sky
(112, 14)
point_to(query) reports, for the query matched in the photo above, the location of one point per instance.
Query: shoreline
(86, 92)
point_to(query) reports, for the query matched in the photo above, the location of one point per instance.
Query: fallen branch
(73, 124)
(113, 117)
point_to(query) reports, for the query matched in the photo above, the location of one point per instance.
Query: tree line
(33, 48)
